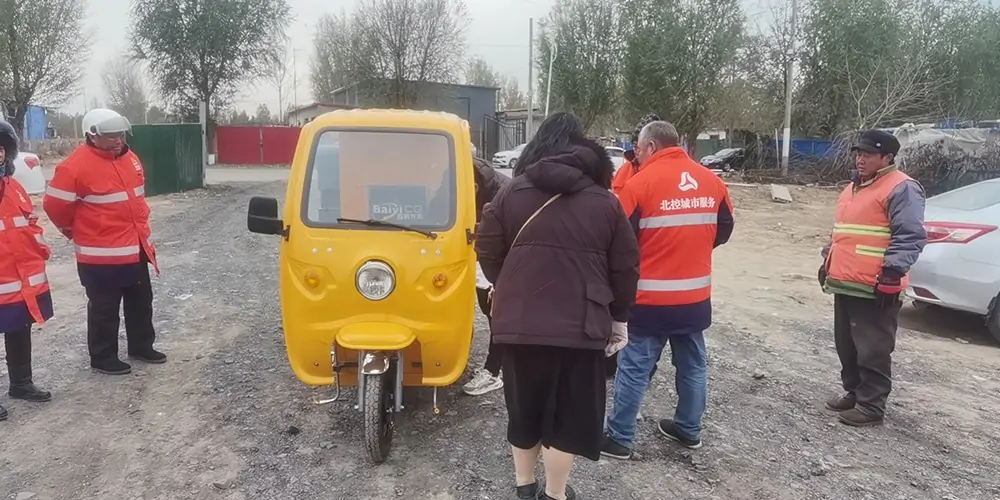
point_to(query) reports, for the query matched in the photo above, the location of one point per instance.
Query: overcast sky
(498, 32)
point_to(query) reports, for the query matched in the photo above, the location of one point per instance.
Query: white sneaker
(482, 382)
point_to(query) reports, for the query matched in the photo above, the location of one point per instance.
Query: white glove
(618, 340)
(481, 282)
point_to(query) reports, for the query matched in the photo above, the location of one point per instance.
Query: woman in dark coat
(565, 263)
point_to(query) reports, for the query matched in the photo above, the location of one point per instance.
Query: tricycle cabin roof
(402, 118)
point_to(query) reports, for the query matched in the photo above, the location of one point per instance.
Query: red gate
(255, 145)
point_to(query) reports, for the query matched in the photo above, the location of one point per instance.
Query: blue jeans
(636, 361)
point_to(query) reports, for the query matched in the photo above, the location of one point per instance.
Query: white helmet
(101, 121)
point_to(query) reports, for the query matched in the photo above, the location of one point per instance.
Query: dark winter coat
(573, 269)
(490, 183)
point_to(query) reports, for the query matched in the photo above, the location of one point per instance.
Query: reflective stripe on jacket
(861, 235)
(24, 286)
(677, 204)
(101, 199)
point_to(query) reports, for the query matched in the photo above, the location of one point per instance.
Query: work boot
(113, 366)
(3, 414)
(151, 356)
(18, 345)
(841, 403)
(856, 417)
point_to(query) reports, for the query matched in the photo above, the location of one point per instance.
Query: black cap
(877, 141)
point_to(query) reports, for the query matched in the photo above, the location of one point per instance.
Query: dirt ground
(226, 419)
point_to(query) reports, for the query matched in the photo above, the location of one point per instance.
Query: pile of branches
(762, 164)
(940, 171)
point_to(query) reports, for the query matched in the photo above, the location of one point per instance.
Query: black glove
(821, 276)
(888, 287)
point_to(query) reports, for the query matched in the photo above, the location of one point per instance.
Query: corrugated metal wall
(255, 145)
(172, 156)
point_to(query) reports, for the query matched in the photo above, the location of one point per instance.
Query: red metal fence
(255, 145)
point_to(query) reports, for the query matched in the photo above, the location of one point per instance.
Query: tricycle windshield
(402, 177)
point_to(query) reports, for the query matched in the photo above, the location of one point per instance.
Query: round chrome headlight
(375, 280)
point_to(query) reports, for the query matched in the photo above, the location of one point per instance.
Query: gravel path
(225, 418)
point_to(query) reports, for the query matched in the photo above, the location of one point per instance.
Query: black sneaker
(668, 428)
(113, 367)
(570, 495)
(611, 449)
(151, 356)
(528, 491)
(3, 414)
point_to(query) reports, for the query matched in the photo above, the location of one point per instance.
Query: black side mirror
(262, 216)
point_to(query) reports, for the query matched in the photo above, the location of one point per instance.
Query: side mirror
(262, 216)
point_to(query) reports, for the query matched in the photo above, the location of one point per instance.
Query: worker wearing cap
(878, 234)
(97, 199)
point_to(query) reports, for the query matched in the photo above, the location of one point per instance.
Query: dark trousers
(103, 304)
(18, 346)
(492, 364)
(865, 336)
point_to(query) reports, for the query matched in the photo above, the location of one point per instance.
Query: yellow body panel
(431, 324)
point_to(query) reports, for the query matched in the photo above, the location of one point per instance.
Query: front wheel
(378, 414)
(512, 163)
(993, 322)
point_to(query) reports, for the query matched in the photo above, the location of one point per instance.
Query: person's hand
(618, 340)
(821, 275)
(887, 288)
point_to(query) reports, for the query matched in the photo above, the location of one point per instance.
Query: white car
(960, 266)
(28, 171)
(617, 156)
(508, 159)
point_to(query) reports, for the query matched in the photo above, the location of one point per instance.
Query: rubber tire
(993, 322)
(377, 414)
(512, 163)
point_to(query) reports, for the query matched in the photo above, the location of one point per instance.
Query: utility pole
(553, 52)
(786, 145)
(531, 84)
(295, 84)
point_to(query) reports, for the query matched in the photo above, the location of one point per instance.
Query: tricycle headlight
(375, 280)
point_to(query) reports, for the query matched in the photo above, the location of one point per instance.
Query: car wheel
(513, 163)
(993, 322)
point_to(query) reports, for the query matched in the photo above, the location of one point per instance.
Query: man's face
(113, 143)
(644, 148)
(870, 163)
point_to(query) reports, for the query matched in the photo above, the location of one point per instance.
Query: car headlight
(375, 280)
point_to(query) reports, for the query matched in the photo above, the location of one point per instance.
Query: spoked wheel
(378, 414)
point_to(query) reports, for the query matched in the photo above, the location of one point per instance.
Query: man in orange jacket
(680, 212)
(878, 234)
(97, 199)
(25, 298)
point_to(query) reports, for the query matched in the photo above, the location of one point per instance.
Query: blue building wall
(36, 124)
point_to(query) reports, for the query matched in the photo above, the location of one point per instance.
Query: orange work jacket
(23, 283)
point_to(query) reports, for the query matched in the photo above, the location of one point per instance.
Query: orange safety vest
(102, 200)
(624, 173)
(678, 202)
(861, 234)
(22, 269)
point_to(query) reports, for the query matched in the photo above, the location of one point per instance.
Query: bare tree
(479, 72)
(391, 48)
(893, 89)
(511, 95)
(280, 78)
(124, 89)
(42, 60)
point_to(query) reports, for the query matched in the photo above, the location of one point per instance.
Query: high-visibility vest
(22, 241)
(861, 233)
(102, 200)
(678, 202)
(623, 175)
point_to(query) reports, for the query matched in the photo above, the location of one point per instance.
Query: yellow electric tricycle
(377, 262)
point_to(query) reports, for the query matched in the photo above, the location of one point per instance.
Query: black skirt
(555, 396)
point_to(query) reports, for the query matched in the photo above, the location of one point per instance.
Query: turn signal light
(440, 280)
(312, 279)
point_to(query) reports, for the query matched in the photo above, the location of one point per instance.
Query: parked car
(724, 159)
(28, 171)
(508, 159)
(960, 266)
(617, 156)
